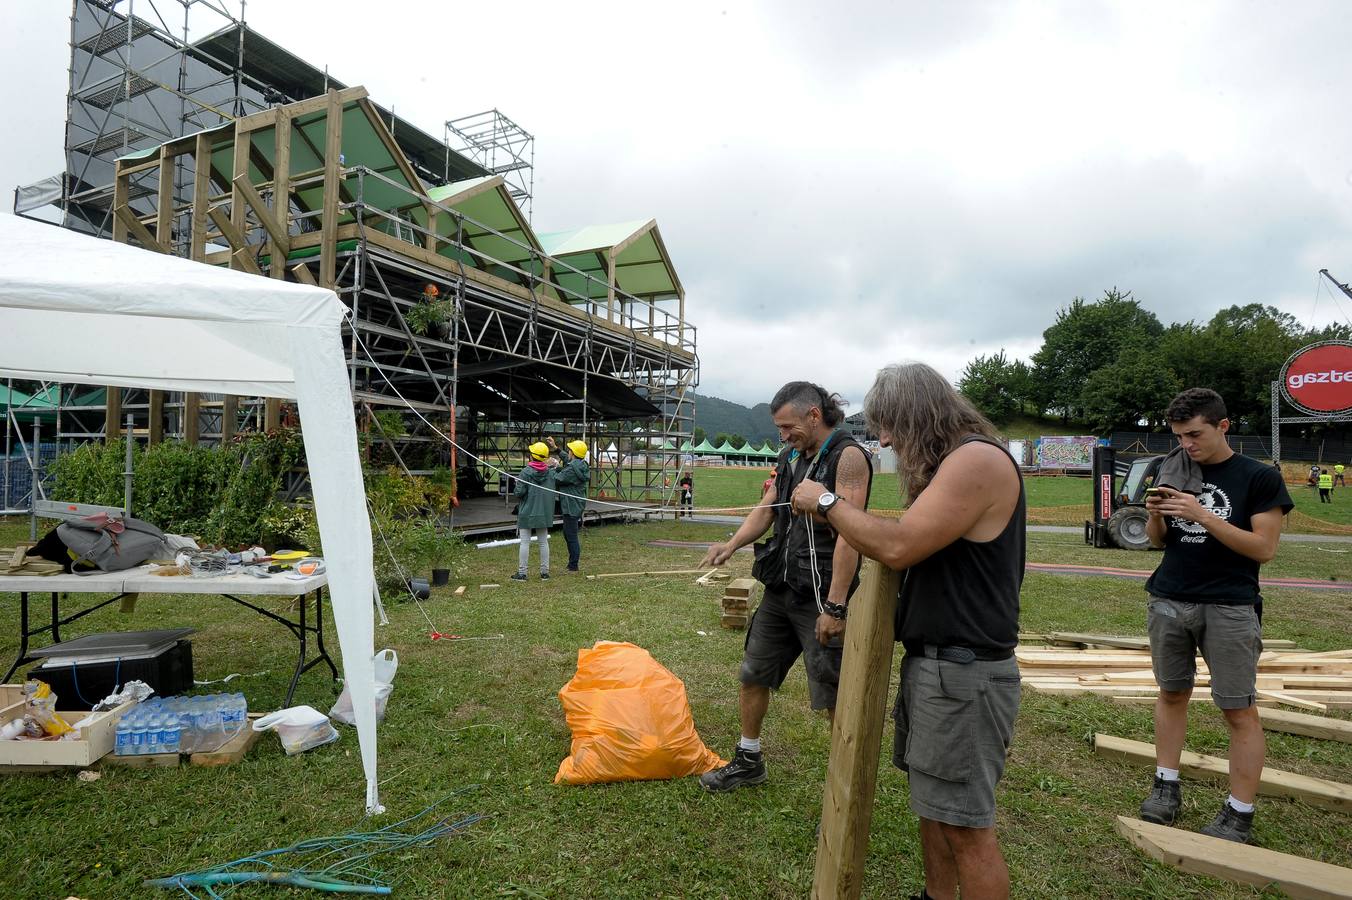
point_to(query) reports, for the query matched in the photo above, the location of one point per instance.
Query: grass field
(1052, 499)
(485, 712)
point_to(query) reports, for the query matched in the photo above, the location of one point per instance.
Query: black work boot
(1161, 807)
(746, 769)
(1231, 825)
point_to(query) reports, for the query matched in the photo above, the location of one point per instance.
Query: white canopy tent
(80, 309)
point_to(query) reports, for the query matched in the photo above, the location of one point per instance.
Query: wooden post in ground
(852, 775)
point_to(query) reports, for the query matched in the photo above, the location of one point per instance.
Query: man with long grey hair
(961, 543)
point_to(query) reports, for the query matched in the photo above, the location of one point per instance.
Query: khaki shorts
(954, 725)
(1229, 636)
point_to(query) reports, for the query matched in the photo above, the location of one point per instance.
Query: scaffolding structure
(229, 150)
(499, 145)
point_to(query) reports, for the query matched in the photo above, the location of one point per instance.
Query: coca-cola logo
(1318, 379)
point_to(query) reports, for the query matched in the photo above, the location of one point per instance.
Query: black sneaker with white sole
(1161, 807)
(1231, 825)
(746, 769)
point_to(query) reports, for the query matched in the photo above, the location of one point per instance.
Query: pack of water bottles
(181, 724)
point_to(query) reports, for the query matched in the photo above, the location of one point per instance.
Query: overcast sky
(846, 185)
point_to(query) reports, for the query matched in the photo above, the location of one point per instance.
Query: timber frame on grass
(526, 343)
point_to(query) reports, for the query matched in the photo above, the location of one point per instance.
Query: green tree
(719, 438)
(997, 387)
(1087, 337)
(737, 440)
(1135, 388)
(697, 436)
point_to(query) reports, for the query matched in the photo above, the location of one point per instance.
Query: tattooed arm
(852, 483)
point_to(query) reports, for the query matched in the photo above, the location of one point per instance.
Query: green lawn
(485, 712)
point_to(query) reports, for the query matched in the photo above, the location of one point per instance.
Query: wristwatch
(825, 502)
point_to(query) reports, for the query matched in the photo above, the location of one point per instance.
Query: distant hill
(714, 414)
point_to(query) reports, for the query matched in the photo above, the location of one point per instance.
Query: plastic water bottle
(170, 741)
(123, 745)
(234, 714)
(138, 734)
(211, 737)
(154, 724)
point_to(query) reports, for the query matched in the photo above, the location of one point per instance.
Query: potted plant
(431, 316)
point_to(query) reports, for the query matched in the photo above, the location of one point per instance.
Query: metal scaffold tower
(499, 145)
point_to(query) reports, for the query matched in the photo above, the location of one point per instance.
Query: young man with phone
(1204, 597)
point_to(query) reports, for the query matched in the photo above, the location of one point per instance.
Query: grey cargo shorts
(1229, 637)
(954, 723)
(783, 628)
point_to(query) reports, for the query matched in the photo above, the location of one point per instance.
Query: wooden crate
(95, 741)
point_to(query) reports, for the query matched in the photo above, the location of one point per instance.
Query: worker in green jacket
(535, 493)
(572, 478)
(1338, 470)
(1325, 486)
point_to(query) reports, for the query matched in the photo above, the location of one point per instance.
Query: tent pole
(9, 442)
(33, 480)
(126, 473)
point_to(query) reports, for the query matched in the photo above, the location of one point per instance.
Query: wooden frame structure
(319, 191)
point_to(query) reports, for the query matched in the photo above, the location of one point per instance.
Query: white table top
(139, 580)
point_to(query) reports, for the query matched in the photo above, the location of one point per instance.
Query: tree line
(1112, 365)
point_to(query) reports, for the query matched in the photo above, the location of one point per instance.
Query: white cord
(436, 430)
(812, 551)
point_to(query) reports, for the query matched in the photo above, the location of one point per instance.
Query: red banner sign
(1318, 379)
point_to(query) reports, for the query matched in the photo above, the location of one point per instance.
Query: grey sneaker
(1161, 807)
(544, 576)
(519, 576)
(1231, 825)
(746, 769)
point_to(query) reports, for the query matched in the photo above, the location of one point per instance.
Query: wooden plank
(242, 257)
(1273, 783)
(17, 557)
(229, 416)
(239, 170)
(460, 591)
(201, 198)
(644, 574)
(1289, 700)
(277, 234)
(143, 761)
(192, 408)
(740, 587)
(852, 774)
(1311, 726)
(112, 416)
(121, 195)
(328, 223)
(302, 273)
(1202, 855)
(137, 230)
(300, 108)
(164, 201)
(1101, 640)
(281, 191)
(156, 417)
(272, 414)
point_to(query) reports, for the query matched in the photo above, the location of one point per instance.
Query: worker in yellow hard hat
(572, 479)
(535, 508)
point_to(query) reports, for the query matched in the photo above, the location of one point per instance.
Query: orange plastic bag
(630, 720)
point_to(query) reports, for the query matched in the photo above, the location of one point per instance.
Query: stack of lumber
(736, 603)
(1289, 676)
(15, 561)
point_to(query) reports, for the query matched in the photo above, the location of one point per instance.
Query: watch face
(826, 499)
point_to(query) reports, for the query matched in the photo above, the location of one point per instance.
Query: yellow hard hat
(578, 449)
(538, 450)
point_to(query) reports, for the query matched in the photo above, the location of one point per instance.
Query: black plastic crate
(80, 685)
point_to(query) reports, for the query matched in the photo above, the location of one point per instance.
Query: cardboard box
(96, 740)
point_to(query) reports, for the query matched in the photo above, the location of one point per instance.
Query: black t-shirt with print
(1197, 567)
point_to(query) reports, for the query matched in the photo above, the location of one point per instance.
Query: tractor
(1119, 509)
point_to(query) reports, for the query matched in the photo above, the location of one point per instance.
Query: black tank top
(967, 594)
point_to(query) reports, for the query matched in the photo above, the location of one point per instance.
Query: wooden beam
(112, 416)
(276, 231)
(645, 574)
(300, 108)
(281, 193)
(242, 255)
(120, 195)
(852, 775)
(333, 148)
(1311, 726)
(1243, 863)
(132, 225)
(302, 273)
(192, 408)
(1283, 697)
(201, 198)
(1273, 783)
(229, 413)
(156, 416)
(239, 172)
(272, 414)
(164, 208)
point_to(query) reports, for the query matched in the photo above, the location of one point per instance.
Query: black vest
(785, 561)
